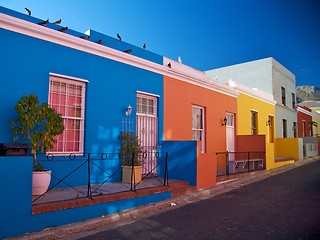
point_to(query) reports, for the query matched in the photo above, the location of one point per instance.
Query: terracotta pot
(40, 182)
(126, 174)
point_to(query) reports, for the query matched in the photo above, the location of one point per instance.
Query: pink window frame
(67, 96)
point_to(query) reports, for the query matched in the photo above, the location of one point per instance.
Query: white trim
(68, 77)
(34, 30)
(202, 130)
(300, 109)
(149, 94)
(252, 92)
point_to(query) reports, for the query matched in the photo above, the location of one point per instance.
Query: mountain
(307, 93)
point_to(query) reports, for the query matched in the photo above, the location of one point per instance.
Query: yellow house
(316, 123)
(256, 117)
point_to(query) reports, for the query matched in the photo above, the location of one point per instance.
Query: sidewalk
(145, 211)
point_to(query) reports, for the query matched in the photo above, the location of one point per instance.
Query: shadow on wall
(182, 160)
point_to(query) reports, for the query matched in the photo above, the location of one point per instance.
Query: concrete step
(282, 159)
(177, 183)
(181, 190)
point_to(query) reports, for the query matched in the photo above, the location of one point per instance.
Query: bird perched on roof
(44, 23)
(64, 29)
(169, 65)
(118, 36)
(100, 42)
(179, 59)
(128, 51)
(144, 46)
(57, 22)
(28, 11)
(86, 37)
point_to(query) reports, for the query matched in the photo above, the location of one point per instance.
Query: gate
(147, 130)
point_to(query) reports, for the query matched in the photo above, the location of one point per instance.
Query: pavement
(120, 218)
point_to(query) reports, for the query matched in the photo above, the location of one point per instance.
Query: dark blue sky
(206, 34)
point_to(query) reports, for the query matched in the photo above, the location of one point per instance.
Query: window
(67, 96)
(147, 104)
(254, 123)
(198, 125)
(293, 101)
(283, 95)
(303, 128)
(284, 128)
(271, 128)
(294, 128)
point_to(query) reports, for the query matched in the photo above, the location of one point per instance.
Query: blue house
(100, 85)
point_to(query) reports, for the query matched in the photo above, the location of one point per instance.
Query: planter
(40, 182)
(11, 149)
(126, 174)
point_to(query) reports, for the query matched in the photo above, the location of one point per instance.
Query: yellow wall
(246, 104)
(289, 147)
(316, 130)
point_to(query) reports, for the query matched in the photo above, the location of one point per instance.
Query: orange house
(197, 108)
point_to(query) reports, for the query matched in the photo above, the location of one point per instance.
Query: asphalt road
(284, 206)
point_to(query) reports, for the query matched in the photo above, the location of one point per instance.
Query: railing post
(227, 163)
(133, 180)
(166, 177)
(249, 162)
(89, 193)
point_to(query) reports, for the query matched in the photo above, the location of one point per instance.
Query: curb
(156, 208)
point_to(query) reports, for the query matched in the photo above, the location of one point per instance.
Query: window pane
(66, 96)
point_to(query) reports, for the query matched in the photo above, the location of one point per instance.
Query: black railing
(89, 175)
(239, 162)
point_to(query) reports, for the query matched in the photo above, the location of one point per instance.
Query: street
(285, 206)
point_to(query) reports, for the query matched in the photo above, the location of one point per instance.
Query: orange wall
(251, 143)
(178, 100)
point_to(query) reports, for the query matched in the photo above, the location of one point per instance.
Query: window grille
(283, 96)
(68, 98)
(198, 125)
(254, 124)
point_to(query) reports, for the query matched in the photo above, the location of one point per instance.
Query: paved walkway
(145, 211)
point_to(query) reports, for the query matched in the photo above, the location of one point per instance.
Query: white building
(272, 77)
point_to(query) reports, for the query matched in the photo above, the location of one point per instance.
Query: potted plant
(38, 124)
(130, 152)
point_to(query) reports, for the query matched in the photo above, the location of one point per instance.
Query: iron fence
(239, 162)
(90, 174)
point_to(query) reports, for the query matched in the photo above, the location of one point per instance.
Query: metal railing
(91, 172)
(239, 162)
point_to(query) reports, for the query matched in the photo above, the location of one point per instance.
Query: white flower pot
(40, 182)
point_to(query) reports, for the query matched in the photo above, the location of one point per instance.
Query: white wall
(285, 113)
(255, 74)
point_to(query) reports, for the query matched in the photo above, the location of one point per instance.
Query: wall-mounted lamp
(224, 122)
(313, 123)
(268, 123)
(128, 112)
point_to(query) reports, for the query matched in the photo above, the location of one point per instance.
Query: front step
(283, 159)
(178, 188)
(183, 190)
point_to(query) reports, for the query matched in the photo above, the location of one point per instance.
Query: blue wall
(182, 160)
(112, 86)
(16, 209)
(74, 172)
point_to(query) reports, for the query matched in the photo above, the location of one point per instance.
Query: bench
(239, 165)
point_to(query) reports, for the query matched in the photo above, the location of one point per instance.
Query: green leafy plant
(130, 149)
(37, 123)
